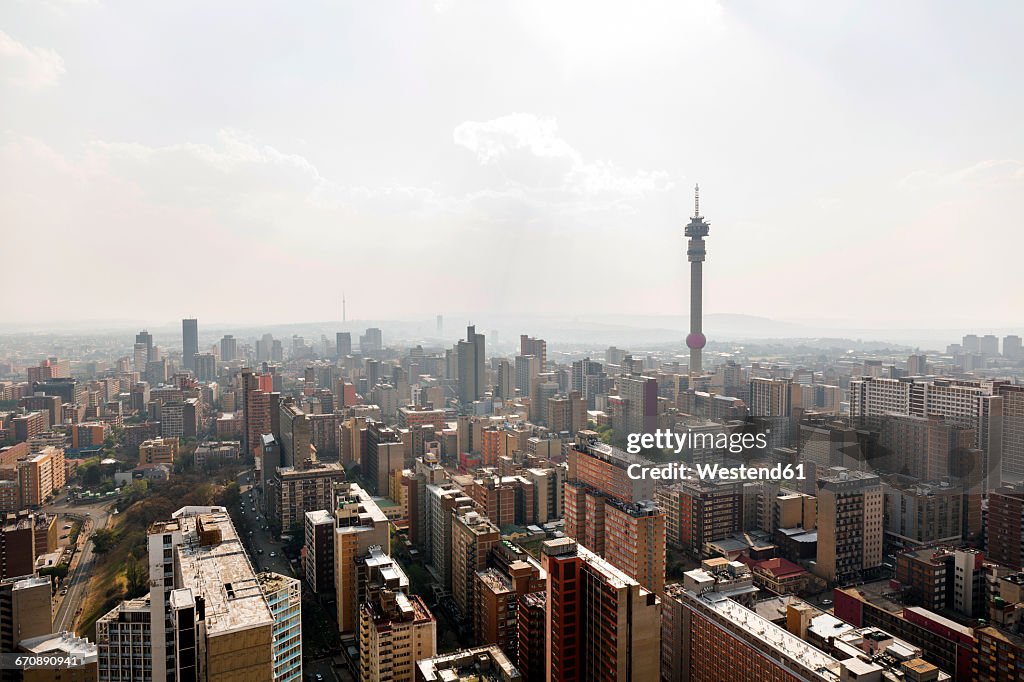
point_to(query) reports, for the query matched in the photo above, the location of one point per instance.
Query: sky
(860, 163)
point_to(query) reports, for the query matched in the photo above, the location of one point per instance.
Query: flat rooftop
(221, 573)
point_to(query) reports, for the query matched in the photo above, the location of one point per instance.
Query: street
(260, 539)
(77, 581)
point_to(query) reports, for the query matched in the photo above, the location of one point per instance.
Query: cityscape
(352, 343)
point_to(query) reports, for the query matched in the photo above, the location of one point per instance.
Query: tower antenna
(344, 313)
(696, 201)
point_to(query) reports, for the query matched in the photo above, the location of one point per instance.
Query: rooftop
(219, 570)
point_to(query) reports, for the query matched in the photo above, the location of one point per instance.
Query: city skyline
(573, 141)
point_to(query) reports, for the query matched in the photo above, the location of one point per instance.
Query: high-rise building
(698, 512)
(210, 619)
(974, 405)
(473, 537)
(444, 502)
(602, 624)
(988, 345)
(205, 366)
(189, 342)
(297, 490)
(641, 409)
(25, 612)
(256, 406)
(39, 475)
(359, 525)
(318, 562)
(850, 524)
(917, 365)
(612, 513)
(294, 434)
(1005, 523)
(536, 347)
(567, 413)
(396, 629)
(695, 231)
(471, 367)
(284, 597)
(527, 369)
(146, 340)
(228, 348)
(343, 344)
(1013, 431)
(384, 454)
(124, 642)
(498, 594)
(1012, 347)
(371, 342)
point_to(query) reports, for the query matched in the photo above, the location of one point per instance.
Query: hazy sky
(860, 162)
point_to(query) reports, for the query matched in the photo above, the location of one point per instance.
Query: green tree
(103, 540)
(136, 576)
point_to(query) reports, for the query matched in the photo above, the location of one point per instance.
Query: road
(78, 582)
(261, 539)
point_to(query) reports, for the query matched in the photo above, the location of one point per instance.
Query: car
(319, 677)
(273, 554)
(826, 602)
(67, 526)
(259, 551)
(64, 591)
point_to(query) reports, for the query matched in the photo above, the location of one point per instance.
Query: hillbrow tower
(696, 231)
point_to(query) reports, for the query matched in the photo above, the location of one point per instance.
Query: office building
(124, 642)
(293, 491)
(294, 434)
(284, 597)
(602, 625)
(343, 344)
(472, 375)
(535, 347)
(189, 342)
(25, 608)
(698, 512)
(850, 524)
(384, 454)
(396, 629)
(1006, 526)
(359, 525)
(371, 342)
(1012, 347)
(318, 562)
(204, 366)
(1013, 431)
(473, 537)
(972, 405)
(210, 618)
(640, 394)
(158, 451)
(39, 475)
(228, 348)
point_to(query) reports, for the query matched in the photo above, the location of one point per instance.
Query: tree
(137, 578)
(103, 540)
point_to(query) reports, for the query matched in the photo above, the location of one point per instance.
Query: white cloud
(529, 151)
(32, 68)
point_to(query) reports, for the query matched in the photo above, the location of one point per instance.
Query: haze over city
(851, 155)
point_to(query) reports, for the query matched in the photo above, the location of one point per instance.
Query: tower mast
(696, 230)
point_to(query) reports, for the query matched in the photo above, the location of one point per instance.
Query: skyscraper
(343, 344)
(602, 625)
(146, 339)
(696, 231)
(228, 348)
(472, 373)
(189, 342)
